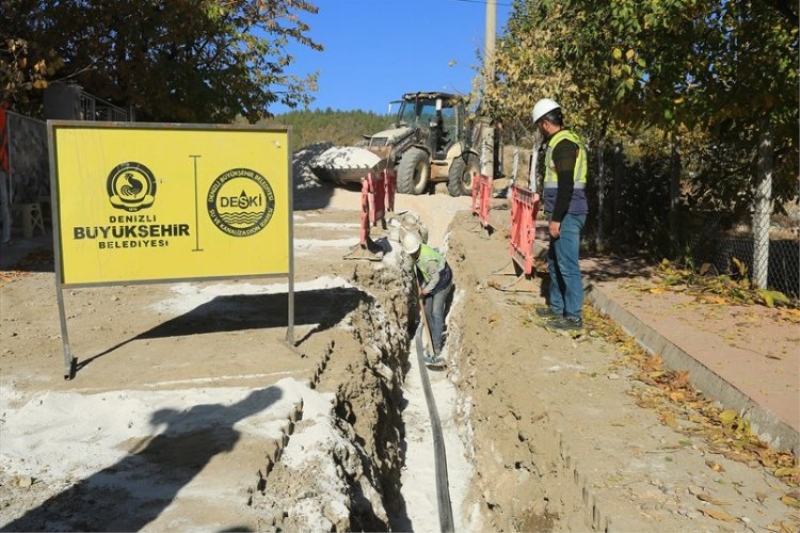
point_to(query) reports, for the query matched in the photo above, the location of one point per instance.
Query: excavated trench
(353, 481)
(543, 433)
(233, 431)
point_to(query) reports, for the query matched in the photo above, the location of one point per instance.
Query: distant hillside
(342, 128)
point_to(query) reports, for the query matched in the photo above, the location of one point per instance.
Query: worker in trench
(435, 282)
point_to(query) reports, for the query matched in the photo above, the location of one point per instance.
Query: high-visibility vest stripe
(550, 175)
(426, 255)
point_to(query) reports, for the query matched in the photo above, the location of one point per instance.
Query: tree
(176, 60)
(716, 69)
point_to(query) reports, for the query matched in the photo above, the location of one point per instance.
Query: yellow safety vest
(578, 203)
(550, 176)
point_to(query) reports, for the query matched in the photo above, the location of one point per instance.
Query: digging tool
(426, 328)
(371, 251)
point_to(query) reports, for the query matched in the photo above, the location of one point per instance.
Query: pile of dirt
(565, 437)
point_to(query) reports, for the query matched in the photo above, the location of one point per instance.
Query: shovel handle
(425, 325)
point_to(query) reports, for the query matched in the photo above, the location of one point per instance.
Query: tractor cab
(435, 116)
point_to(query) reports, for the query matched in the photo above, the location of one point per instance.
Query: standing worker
(566, 208)
(435, 283)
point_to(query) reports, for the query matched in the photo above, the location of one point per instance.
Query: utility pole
(487, 147)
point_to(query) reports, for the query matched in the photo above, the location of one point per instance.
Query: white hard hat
(543, 107)
(410, 243)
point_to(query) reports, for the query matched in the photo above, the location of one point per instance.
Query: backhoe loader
(432, 140)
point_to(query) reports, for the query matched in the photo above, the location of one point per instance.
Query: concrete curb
(769, 427)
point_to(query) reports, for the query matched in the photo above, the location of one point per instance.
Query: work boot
(546, 312)
(434, 361)
(564, 323)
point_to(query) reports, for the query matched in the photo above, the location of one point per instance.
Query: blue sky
(376, 50)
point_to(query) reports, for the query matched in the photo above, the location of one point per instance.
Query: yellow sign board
(152, 202)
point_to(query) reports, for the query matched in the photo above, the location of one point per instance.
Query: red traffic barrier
(376, 197)
(373, 209)
(481, 198)
(524, 208)
(390, 178)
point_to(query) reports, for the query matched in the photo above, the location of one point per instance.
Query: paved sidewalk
(745, 357)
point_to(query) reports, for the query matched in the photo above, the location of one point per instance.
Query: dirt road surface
(189, 412)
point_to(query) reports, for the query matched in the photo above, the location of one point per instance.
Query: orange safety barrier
(376, 196)
(481, 198)
(390, 178)
(373, 209)
(524, 208)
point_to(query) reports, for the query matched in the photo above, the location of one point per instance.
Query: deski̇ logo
(240, 202)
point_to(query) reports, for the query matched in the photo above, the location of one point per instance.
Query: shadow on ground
(323, 308)
(131, 493)
(32, 254)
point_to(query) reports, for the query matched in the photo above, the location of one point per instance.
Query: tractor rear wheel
(413, 172)
(461, 174)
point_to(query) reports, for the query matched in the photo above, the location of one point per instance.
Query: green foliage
(181, 60)
(636, 197)
(24, 69)
(701, 77)
(711, 287)
(343, 128)
(772, 298)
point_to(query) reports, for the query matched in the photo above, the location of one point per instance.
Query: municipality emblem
(241, 202)
(131, 186)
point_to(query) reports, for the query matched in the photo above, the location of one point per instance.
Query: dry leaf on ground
(718, 515)
(711, 499)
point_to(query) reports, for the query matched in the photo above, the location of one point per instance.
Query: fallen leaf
(795, 318)
(669, 419)
(791, 502)
(716, 467)
(727, 416)
(681, 379)
(677, 396)
(780, 472)
(782, 527)
(718, 515)
(789, 528)
(711, 499)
